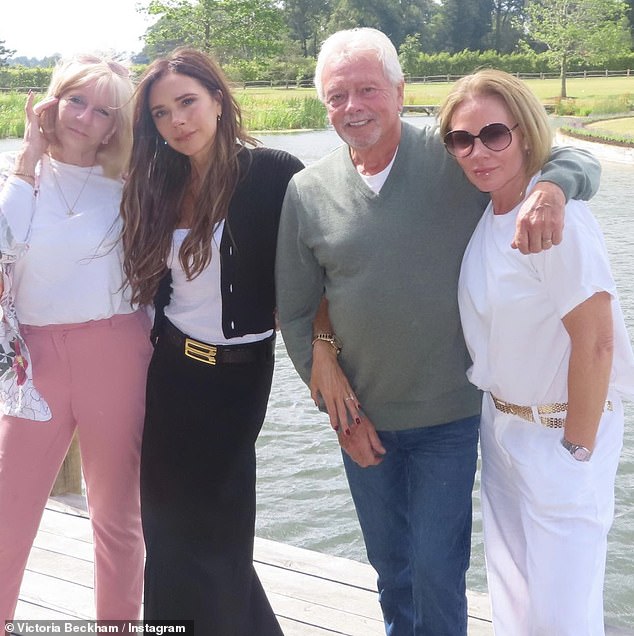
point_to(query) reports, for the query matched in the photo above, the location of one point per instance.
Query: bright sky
(39, 28)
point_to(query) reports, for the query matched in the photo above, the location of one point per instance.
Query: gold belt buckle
(200, 351)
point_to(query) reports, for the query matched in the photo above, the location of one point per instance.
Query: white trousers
(546, 519)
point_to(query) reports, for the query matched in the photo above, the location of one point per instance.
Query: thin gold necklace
(521, 198)
(70, 209)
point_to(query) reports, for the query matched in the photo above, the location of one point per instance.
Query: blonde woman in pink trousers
(89, 346)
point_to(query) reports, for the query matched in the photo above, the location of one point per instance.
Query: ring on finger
(349, 397)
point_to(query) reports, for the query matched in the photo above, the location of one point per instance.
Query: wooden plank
(69, 525)
(317, 616)
(60, 544)
(325, 593)
(27, 610)
(297, 628)
(345, 571)
(69, 477)
(313, 594)
(57, 565)
(315, 563)
(57, 594)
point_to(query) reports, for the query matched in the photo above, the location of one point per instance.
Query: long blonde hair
(153, 193)
(114, 79)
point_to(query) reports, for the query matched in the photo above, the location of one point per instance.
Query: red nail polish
(357, 420)
(347, 431)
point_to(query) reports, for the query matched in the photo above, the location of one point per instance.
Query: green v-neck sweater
(389, 265)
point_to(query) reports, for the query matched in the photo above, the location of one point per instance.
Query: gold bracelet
(330, 338)
(24, 174)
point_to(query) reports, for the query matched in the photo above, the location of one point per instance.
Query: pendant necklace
(70, 209)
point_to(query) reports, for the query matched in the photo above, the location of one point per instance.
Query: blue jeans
(415, 514)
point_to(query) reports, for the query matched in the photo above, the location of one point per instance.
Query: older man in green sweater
(379, 227)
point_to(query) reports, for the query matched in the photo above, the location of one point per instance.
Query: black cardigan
(249, 239)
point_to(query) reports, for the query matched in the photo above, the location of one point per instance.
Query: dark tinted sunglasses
(459, 143)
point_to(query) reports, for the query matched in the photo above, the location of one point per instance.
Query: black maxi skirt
(198, 493)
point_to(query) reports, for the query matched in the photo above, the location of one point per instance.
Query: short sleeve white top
(512, 305)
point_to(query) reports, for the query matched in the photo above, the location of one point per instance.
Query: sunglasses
(496, 137)
(115, 67)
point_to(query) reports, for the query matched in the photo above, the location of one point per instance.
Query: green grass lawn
(621, 126)
(596, 95)
(279, 108)
(547, 90)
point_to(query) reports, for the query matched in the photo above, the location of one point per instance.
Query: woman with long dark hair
(201, 209)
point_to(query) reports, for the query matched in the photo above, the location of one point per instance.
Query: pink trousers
(93, 377)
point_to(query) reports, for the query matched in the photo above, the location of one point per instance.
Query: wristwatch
(330, 338)
(580, 453)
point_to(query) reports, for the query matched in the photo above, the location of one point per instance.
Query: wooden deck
(312, 594)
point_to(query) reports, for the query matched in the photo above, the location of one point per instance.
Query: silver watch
(580, 453)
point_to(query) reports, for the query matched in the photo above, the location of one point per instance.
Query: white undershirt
(195, 305)
(376, 181)
(72, 271)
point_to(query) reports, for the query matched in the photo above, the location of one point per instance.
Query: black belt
(260, 351)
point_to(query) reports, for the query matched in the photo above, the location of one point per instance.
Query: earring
(218, 117)
(105, 141)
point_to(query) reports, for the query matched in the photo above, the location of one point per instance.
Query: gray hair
(353, 43)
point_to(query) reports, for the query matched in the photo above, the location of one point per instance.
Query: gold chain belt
(526, 412)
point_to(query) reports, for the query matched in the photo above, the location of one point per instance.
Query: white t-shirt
(512, 305)
(376, 181)
(72, 270)
(195, 305)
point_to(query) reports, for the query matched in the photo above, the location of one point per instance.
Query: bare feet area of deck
(313, 594)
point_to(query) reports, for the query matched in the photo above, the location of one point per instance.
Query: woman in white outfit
(552, 355)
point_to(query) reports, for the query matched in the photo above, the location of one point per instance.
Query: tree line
(249, 28)
(255, 39)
